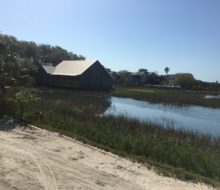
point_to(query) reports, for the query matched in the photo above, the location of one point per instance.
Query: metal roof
(49, 69)
(69, 68)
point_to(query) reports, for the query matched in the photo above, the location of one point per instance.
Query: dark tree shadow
(6, 126)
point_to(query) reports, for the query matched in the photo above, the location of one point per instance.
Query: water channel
(196, 118)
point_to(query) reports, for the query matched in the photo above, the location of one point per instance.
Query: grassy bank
(169, 96)
(183, 154)
(177, 153)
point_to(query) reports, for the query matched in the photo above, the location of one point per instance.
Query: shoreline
(47, 160)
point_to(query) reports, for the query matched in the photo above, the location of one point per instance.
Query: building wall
(63, 81)
(133, 80)
(42, 76)
(95, 78)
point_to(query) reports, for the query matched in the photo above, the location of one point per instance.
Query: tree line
(39, 53)
(144, 77)
(16, 57)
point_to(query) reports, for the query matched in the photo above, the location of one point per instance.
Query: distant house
(139, 78)
(78, 74)
(114, 75)
(169, 81)
(134, 79)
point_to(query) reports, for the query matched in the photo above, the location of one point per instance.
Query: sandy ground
(35, 159)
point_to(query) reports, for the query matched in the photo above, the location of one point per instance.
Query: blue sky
(125, 34)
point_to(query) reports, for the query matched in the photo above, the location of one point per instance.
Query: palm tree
(167, 69)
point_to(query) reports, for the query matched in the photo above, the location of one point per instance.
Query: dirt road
(35, 159)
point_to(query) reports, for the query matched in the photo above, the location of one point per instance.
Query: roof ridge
(72, 67)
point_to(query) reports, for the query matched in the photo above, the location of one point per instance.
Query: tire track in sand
(48, 178)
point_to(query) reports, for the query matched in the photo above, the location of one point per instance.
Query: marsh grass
(173, 152)
(177, 153)
(169, 96)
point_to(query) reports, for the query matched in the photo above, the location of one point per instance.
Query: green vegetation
(169, 96)
(123, 77)
(185, 80)
(184, 154)
(190, 153)
(167, 70)
(23, 101)
(145, 78)
(9, 70)
(38, 53)
(19, 61)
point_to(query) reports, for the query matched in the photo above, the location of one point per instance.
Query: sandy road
(35, 159)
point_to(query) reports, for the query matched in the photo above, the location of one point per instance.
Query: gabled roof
(69, 68)
(49, 69)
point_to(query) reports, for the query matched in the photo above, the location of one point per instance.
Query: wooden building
(78, 74)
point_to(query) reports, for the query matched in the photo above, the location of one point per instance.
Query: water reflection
(66, 101)
(206, 120)
(212, 97)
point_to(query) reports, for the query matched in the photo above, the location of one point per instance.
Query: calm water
(212, 97)
(205, 120)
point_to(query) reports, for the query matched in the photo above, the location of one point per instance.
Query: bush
(185, 80)
(23, 101)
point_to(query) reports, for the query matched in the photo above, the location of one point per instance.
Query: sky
(183, 35)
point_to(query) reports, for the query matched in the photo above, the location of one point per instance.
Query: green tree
(123, 76)
(185, 80)
(167, 70)
(39, 53)
(23, 100)
(9, 70)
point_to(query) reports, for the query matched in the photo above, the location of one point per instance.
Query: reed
(184, 154)
(169, 96)
(191, 152)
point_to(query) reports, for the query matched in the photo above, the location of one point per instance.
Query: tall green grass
(184, 154)
(169, 96)
(197, 154)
